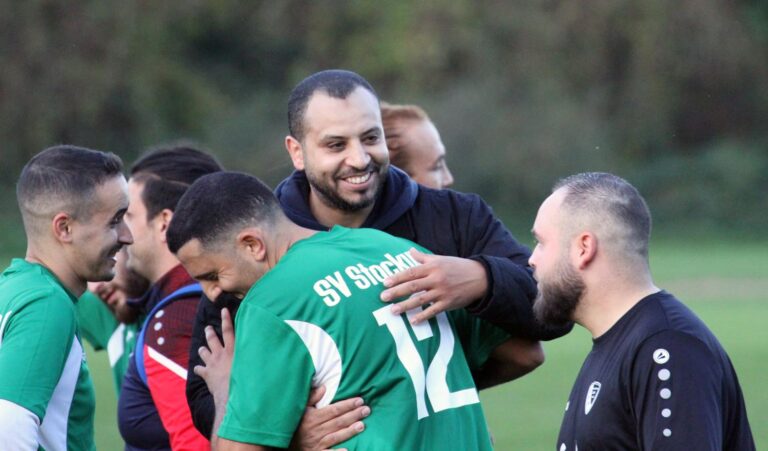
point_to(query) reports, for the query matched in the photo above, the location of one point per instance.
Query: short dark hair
(167, 172)
(336, 83)
(216, 204)
(63, 178)
(610, 200)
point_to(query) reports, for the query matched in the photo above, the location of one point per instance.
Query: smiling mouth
(358, 179)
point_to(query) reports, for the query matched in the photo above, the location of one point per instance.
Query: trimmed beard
(557, 299)
(332, 198)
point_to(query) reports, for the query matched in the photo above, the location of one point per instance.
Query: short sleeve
(478, 337)
(96, 322)
(36, 342)
(271, 377)
(676, 394)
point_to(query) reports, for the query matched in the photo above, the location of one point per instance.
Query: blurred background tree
(671, 95)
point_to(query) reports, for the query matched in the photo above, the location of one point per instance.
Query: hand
(448, 283)
(115, 297)
(104, 290)
(321, 428)
(217, 358)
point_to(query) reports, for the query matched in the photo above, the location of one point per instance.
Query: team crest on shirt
(592, 393)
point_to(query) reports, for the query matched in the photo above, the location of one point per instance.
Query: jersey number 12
(431, 382)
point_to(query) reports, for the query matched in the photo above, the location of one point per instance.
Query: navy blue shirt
(658, 379)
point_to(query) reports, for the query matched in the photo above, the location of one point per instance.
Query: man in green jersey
(314, 318)
(72, 202)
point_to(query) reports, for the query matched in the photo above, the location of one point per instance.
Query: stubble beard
(332, 198)
(558, 298)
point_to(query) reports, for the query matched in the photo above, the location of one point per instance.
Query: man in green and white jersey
(72, 201)
(314, 318)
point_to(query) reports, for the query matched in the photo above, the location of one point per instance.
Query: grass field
(725, 283)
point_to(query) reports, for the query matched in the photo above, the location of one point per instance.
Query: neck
(288, 235)
(164, 262)
(330, 216)
(59, 266)
(604, 303)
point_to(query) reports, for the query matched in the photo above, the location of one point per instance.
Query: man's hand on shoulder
(447, 283)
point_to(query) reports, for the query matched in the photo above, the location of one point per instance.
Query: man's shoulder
(18, 291)
(666, 313)
(664, 319)
(447, 197)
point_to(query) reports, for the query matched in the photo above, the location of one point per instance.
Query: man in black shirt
(656, 377)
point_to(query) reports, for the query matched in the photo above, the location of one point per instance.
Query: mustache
(370, 167)
(115, 250)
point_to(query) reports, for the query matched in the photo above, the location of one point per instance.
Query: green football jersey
(42, 362)
(316, 319)
(102, 330)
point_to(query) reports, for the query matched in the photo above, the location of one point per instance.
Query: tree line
(671, 95)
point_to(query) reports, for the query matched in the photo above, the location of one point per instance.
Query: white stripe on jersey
(18, 426)
(325, 356)
(53, 430)
(166, 362)
(116, 345)
(3, 323)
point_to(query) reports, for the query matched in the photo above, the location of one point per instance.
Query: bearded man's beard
(557, 298)
(333, 199)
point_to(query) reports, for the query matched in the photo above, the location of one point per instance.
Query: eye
(372, 139)
(117, 219)
(438, 167)
(336, 146)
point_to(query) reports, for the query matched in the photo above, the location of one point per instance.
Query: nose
(532, 258)
(357, 156)
(447, 177)
(124, 235)
(211, 290)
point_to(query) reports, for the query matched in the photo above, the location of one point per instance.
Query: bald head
(608, 206)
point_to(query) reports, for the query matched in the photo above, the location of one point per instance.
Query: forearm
(509, 300)
(512, 359)
(218, 417)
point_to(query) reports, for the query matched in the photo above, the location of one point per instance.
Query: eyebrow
(438, 160)
(333, 138)
(374, 129)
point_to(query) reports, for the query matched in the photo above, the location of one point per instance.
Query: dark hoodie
(444, 221)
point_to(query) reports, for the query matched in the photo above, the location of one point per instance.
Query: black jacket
(444, 221)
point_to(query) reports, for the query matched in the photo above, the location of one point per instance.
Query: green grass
(525, 415)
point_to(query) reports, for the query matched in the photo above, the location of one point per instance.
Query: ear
(293, 146)
(61, 225)
(162, 221)
(585, 249)
(251, 240)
